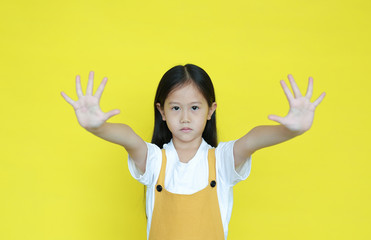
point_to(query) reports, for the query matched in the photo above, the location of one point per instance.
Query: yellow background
(57, 181)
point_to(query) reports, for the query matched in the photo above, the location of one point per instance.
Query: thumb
(111, 113)
(276, 118)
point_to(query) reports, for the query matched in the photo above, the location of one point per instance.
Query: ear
(161, 110)
(211, 110)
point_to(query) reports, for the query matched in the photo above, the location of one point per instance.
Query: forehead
(186, 93)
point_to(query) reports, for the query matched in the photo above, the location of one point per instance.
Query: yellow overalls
(187, 217)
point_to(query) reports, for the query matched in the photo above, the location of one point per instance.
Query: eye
(195, 107)
(176, 108)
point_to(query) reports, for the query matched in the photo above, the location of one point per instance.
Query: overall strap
(212, 168)
(161, 178)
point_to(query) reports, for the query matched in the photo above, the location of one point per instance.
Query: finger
(111, 114)
(89, 88)
(276, 118)
(287, 91)
(319, 99)
(294, 87)
(68, 99)
(309, 89)
(78, 87)
(100, 89)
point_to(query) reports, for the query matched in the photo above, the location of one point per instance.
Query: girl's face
(186, 111)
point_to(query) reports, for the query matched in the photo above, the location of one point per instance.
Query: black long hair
(176, 77)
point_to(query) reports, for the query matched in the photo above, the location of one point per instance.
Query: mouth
(186, 129)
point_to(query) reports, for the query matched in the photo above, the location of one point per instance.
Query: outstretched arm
(298, 120)
(92, 118)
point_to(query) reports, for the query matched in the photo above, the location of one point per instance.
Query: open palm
(87, 109)
(300, 116)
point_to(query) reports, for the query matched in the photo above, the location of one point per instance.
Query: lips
(186, 129)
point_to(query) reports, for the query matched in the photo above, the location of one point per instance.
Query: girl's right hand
(87, 109)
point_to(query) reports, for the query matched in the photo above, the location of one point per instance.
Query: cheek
(202, 121)
(171, 120)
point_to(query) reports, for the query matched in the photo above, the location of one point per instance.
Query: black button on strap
(159, 188)
(212, 183)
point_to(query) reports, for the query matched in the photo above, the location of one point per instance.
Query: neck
(187, 146)
(186, 150)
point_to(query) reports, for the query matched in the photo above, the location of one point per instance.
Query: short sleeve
(225, 164)
(153, 166)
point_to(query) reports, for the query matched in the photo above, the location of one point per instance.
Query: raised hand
(87, 109)
(300, 116)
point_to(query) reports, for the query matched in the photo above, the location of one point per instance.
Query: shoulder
(224, 153)
(225, 147)
(152, 149)
(153, 165)
(223, 150)
(225, 163)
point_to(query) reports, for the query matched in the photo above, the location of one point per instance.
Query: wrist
(294, 132)
(95, 129)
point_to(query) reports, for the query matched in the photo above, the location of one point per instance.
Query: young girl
(189, 177)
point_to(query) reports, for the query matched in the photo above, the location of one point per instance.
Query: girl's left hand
(300, 116)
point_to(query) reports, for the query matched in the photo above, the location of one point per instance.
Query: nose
(185, 117)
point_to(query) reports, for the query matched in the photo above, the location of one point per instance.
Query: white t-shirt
(191, 177)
